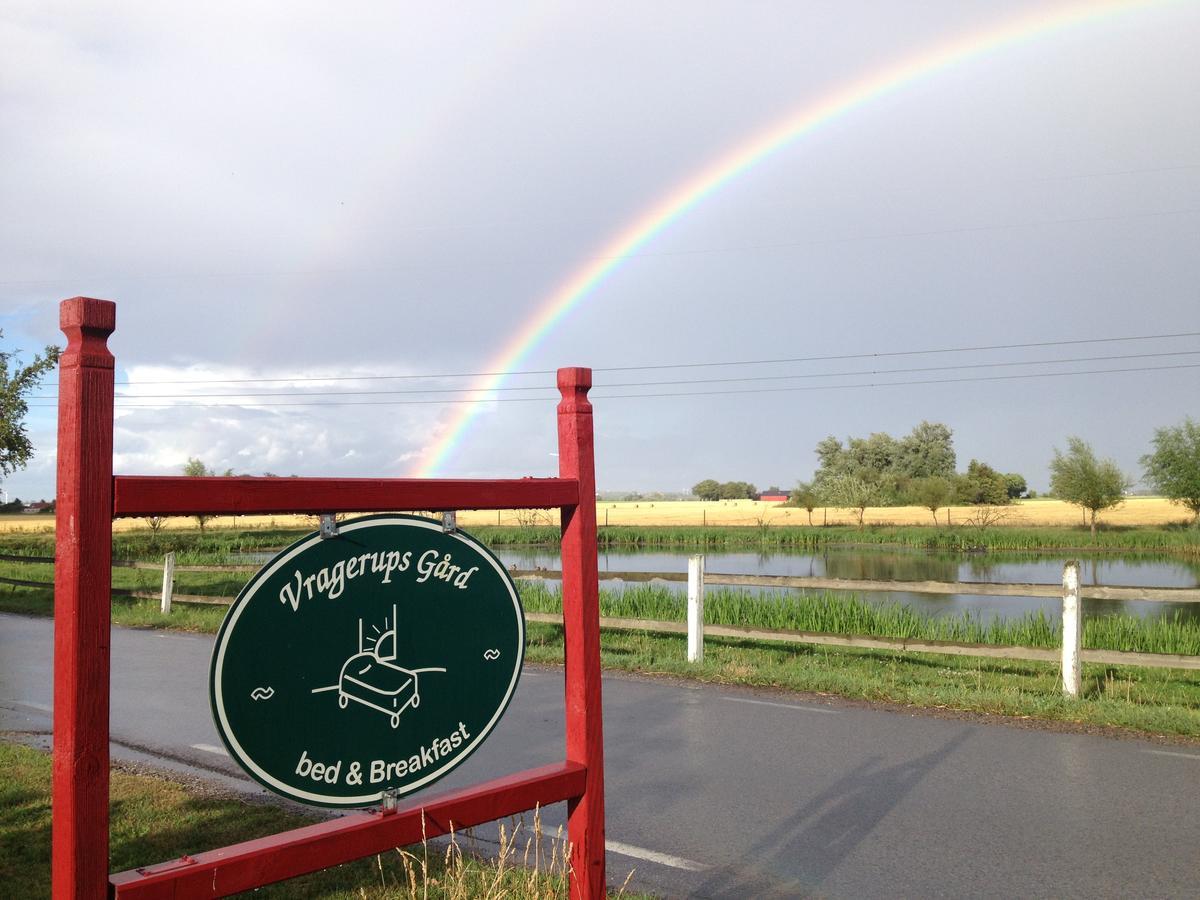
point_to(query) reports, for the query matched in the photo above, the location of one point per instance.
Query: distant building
(40, 507)
(773, 498)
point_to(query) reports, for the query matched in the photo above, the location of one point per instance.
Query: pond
(902, 564)
(874, 563)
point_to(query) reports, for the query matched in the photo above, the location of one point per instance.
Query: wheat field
(1132, 512)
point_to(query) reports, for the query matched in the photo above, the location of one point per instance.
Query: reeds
(1178, 540)
(829, 612)
(527, 865)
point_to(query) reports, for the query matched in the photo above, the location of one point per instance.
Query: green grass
(836, 613)
(1173, 539)
(1155, 701)
(212, 546)
(154, 820)
(826, 611)
(1150, 700)
(215, 545)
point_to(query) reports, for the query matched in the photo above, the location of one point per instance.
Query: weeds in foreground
(527, 864)
(154, 819)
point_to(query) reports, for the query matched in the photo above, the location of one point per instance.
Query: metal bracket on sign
(449, 521)
(387, 806)
(329, 528)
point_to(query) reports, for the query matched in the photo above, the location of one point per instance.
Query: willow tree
(1173, 469)
(1078, 477)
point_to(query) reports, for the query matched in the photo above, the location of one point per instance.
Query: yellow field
(1134, 511)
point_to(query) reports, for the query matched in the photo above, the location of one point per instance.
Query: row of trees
(915, 470)
(709, 489)
(1172, 469)
(861, 475)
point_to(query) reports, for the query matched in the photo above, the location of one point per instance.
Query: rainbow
(693, 191)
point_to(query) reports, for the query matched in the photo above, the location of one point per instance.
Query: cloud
(250, 420)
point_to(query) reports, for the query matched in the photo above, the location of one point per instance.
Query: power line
(691, 365)
(628, 384)
(828, 387)
(894, 353)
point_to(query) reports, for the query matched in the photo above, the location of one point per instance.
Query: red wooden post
(82, 595)
(581, 627)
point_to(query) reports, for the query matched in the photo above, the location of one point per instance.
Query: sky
(321, 202)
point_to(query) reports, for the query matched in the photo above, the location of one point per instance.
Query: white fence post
(168, 587)
(695, 609)
(1072, 630)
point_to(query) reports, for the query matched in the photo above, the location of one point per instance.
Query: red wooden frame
(89, 497)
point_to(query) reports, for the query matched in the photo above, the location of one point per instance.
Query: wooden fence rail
(697, 578)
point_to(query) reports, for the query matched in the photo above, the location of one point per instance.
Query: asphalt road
(715, 792)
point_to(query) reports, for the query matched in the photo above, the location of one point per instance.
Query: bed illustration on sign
(372, 677)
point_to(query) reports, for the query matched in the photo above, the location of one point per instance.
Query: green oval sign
(375, 660)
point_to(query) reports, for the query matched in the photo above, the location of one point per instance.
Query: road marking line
(663, 859)
(816, 709)
(209, 748)
(1171, 753)
(39, 706)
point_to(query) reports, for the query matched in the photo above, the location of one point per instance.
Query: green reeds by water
(834, 613)
(1181, 540)
(215, 545)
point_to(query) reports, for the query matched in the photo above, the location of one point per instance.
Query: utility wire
(692, 365)
(631, 384)
(776, 390)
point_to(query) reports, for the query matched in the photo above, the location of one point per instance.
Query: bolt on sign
(372, 662)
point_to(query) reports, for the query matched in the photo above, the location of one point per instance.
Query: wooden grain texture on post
(82, 581)
(695, 609)
(581, 634)
(1072, 630)
(171, 495)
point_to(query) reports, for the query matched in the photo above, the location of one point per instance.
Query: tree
(933, 493)
(1173, 469)
(830, 456)
(981, 484)
(1092, 484)
(889, 464)
(851, 492)
(15, 447)
(874, 456)
(738, 490)
(1015, 484)
(805, 496)
(927, 452)
(708, 489)
(195, 468)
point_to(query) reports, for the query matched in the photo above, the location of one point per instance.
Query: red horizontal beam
(288, 854)
(150, 495)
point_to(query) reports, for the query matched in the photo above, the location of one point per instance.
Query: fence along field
(1071, 654)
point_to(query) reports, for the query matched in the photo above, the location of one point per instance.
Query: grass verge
(154, 820)
(216, 544)
(1163, 701)
(1155, 701)
(839, 613)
